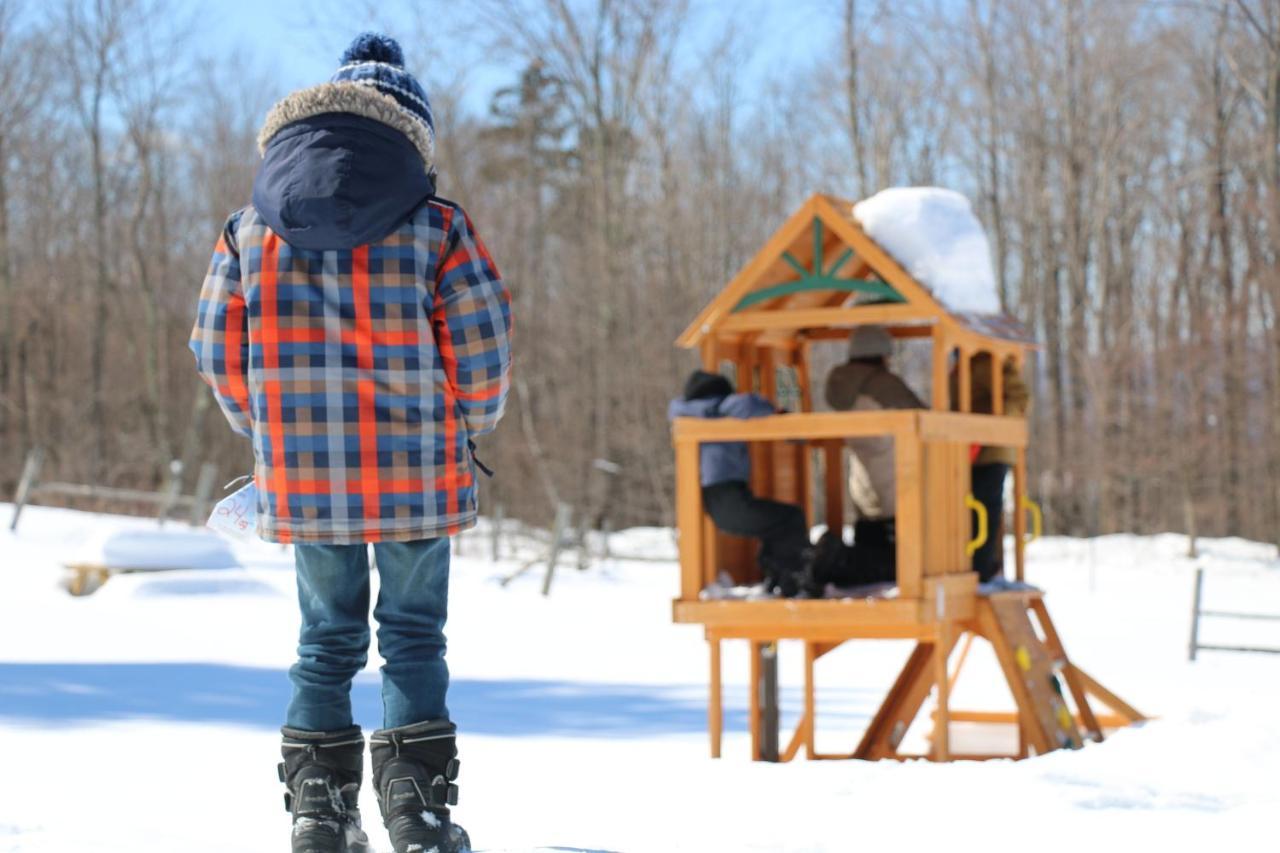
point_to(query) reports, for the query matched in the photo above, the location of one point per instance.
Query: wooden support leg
(1105, 696)
(715, 708)
(960, 660)
(942, 679)
(753, 700)
(769, 702)
(810, 700)
(901, 706)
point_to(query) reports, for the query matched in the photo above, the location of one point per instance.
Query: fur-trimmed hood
(342, 165)
(357, 99)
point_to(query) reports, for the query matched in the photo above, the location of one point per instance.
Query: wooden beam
(769, 255)
(819, 318)
(909, 513)
(810, 700)
(1106, 697)
(818, 619)
(715, 711)
(901, 331)
(941, 382)
(689, 520)
(834, 482)
(841, 222)
(941, 680)
(960, 591)
(1004, 431)
(1107, 721)
(813, 425)
(997, 383)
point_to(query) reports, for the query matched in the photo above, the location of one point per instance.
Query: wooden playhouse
(817, 277)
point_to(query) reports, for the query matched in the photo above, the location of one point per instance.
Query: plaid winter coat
(361, 373)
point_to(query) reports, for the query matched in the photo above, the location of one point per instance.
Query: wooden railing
(931, 463)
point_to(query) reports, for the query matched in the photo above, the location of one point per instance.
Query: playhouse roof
(823, 272)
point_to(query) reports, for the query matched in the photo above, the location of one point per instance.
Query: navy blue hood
(339, 180)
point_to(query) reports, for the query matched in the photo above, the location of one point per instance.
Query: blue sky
(299, 44)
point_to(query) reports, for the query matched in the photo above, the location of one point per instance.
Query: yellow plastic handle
(981, 539)
(1037, 518)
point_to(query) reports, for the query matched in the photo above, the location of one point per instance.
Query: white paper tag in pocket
(236, 515)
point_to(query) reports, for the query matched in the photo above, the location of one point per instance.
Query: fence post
(204, 494)
(496, 523)
(564, 514)
(30, 476)
(172, 488)
(1195, 614)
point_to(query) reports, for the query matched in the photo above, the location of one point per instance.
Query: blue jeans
(413, 599)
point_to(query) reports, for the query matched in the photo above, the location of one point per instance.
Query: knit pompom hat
(371, 82)
(870, 342)
(377, 60)
(703, 385)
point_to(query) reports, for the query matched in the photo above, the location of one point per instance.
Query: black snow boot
(414, 768)
(322, 773)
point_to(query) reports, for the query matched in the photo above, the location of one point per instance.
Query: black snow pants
(781, 528)
(875, 551)
(988, 488)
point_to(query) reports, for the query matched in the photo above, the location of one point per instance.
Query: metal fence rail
(1196, 612)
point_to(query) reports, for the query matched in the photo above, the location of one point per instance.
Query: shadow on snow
(46, 693)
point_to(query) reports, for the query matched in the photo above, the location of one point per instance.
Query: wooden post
(941, 384)
(769, 701)
(997, 383)
(689, 520)
(941, 649)
(804, 460)
(709, 359)
(564, 514)
(965, 391)
(909, 513)
(753, 699)
(715, 712)
(835, 484)
(810, 702)
(30, 477)
(204, 494)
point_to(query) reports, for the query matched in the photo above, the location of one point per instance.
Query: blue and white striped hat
(377, 61)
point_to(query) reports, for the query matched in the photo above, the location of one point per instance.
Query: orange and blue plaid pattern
(361, 375)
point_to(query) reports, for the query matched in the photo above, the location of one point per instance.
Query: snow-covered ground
(145, 717)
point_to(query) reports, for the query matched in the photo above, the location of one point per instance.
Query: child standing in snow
(355, 328)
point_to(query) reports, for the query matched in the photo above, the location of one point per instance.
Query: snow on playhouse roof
(934, 235)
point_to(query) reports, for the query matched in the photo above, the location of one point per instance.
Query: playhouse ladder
(1035, 669)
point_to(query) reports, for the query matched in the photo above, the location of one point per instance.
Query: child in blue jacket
(725, 473)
